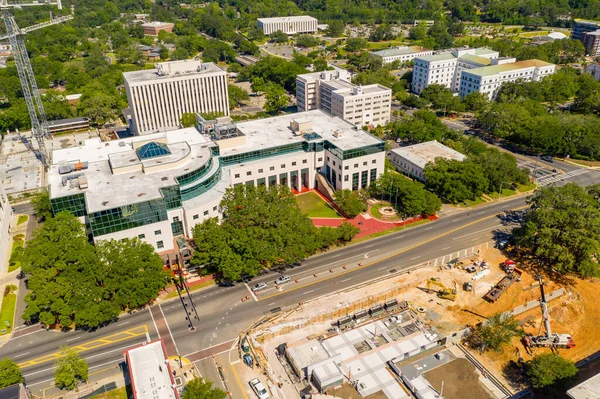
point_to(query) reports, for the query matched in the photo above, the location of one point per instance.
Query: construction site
(403, 335)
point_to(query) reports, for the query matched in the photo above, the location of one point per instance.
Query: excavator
(443, 292)
(550, 339)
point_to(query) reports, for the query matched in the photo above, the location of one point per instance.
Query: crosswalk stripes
(547, 180)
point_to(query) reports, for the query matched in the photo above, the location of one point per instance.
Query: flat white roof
(274, 132)
(589, 389)
(423, 153)
(195, 68)
(402, 50)
(287, 19)
(150, 372)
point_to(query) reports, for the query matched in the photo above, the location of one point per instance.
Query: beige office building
(288, 25)
(159, 97)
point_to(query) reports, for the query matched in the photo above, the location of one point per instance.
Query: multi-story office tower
(289, 25)
(159, 97)
(6, 216)
(401, 53)
(158, 187)
(488, 80)
(444, 68)
(591, 42)
(333, 92)
(581, 26)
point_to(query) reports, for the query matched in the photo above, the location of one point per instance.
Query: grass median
(7, 312)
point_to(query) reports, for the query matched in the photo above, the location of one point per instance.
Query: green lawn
(375, 212)
(507, 192)
(208, 283)
(384, 45)
(119, 393)
(7, 313)
(477, 201)
(22, 219)
(14, 263)
(526, 187)
(313, 206)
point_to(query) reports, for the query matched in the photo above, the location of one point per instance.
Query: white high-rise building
(6, 216)
(333, 92)
(288, 25)
(445, 68)
(488, 80)
(159, 97)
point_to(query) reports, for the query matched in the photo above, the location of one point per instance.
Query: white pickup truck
(259, 389)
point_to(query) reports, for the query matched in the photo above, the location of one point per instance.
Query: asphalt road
(223, 315)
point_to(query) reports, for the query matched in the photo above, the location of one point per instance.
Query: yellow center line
(86, 346)
(387, 257)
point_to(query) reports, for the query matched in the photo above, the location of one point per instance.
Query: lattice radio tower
(39, 123)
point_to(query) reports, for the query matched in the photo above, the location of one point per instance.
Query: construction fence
(532, 304)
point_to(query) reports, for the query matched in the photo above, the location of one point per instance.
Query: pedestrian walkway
(367, 225)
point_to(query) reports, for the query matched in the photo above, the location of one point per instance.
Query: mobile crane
(550, 339)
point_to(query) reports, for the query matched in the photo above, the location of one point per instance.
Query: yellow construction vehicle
(443, 292)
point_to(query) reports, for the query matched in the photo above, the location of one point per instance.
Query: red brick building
(152, 28)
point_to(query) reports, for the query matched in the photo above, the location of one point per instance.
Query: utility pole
(39, 124)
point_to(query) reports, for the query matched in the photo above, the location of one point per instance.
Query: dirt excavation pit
(460, 380)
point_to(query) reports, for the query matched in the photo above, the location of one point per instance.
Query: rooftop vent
(338, 134)
(164, 178)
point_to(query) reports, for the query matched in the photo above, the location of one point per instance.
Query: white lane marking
(74, 339)
(308, 292)
(251, 292)
(122, 324)
(369, 246)
(429, 228)
(416, 257)
(271, 304)
(21, 354)
(477, 232)
(455, 220)
(348, 279)
(479, 213)
(335, 256)
(399, 237)
(381, 268)
(443, 249)
(475, 239)
(168, 328)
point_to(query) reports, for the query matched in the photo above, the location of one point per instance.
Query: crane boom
(53, 21)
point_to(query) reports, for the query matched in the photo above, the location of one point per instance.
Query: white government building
(488, 80)
(334, 93)
(159, 186)
(401, 53)
(412, 160)
(288, 25)
(159, 97)
(444, 68)
(6, 216)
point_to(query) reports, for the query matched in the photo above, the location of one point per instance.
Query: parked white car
(259, 389)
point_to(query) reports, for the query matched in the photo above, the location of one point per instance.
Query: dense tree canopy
(261, 228)
(199, 388)
(545, 369)
(10, 373)
(70, 369)
(72, 282)
(496, 331)
(349, 202)
(562, 229)
(409, 197)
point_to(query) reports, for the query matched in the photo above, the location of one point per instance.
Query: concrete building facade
(444, 68)
(154, 28)
(412, 160)
(581, 26)
(401, 53)
(334, 93)
(594, 70)
(6, 217)
(175, 180)
(159, 97)
(488, 80)
(591, 42)
(288, 25)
